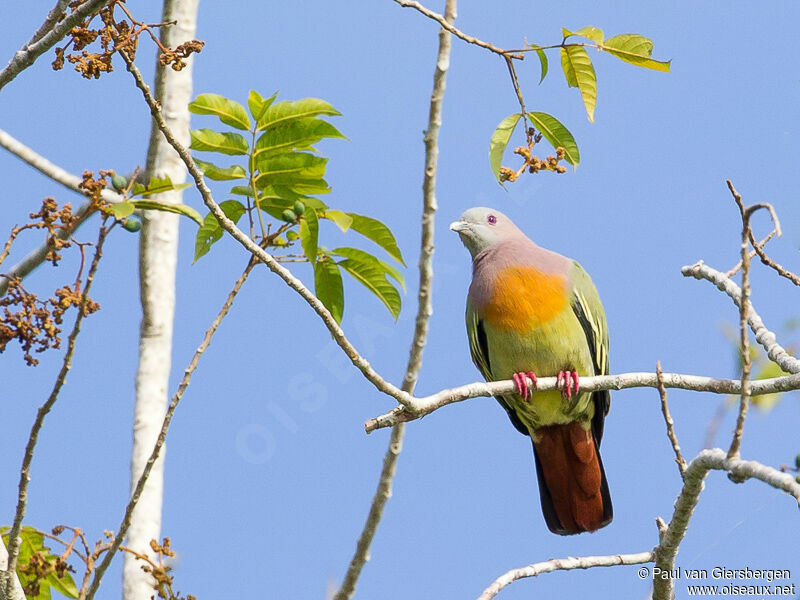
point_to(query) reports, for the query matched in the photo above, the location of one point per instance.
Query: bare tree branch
(59, 175)
(763, 336)
(744, 307)
(424, 307)
(668, 420)
(696, 472)
(564, 564)
(41, 43)
(623, 381)
(176, 398)
(442, 20)
(14, 540)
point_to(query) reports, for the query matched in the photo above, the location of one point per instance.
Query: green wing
(479, 350)
(590, 314)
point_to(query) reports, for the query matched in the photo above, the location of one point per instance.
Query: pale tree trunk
(157, 260)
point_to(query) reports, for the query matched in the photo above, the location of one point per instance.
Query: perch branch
(623, 381)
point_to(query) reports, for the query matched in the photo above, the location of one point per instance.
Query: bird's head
(480, 228)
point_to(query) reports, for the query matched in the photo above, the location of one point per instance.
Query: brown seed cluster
(177, 58)
(532, 163)
(114, 35)
(54, 220)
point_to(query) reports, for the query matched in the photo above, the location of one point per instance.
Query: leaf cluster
(579, 72)
(279, 176)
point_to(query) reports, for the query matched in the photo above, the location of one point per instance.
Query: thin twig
(14, 539)
(424, 308)
(459, 34)
(697, 383)
(668, 420)
(696, 472)
(752, 253)
(173, 404)
(59, 175)
(764, 336)
(336, 331)
(564, 564)
(39, 44)
(744, 341)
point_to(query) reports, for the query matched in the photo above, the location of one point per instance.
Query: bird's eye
(491, 219)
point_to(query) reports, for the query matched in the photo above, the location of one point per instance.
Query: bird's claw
(569, 383)
(522, 383)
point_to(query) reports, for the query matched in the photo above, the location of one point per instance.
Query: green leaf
(211, 231)
(297, 134)
(286, 111)
(258, 105)
(499, 141)
(157, 186)
(208, 140)
(216, 173)
(229, 112)
(368, 259)
(328, 286)
(579, 71)
(180, 209)
(342, 219)
(635, 49)
(120, 210)
(542, 60)
(378, 233)
(593, 33)
(558, 135)
(299, 171)
(309, 235)
(374, 279)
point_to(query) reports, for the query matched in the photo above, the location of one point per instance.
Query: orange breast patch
(524, 297)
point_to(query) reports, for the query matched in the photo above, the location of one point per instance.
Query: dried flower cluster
(115, 35)
(33, 322)
(39, 567)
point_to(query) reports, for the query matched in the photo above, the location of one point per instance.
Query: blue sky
(269, 474)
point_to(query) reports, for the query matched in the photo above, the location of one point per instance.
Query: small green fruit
(797, 461)
(797, 479)
(299, 207)
(119, 182)
(289, 216)
(292, 235)
(132, 225)
(279, 241)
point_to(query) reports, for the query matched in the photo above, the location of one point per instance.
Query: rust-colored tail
(572, 483)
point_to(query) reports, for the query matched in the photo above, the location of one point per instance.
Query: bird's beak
(458, 226)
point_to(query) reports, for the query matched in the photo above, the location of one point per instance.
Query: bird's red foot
(569, 381)
(522, 383)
